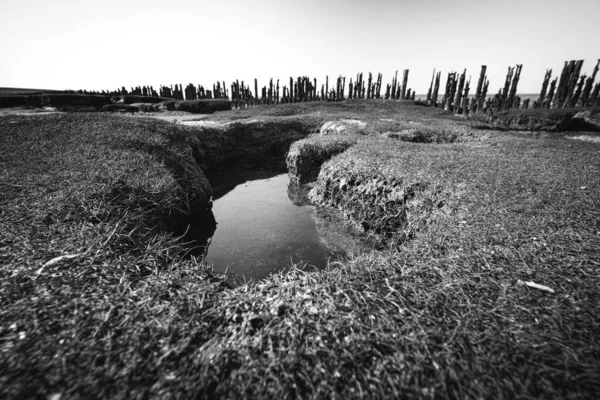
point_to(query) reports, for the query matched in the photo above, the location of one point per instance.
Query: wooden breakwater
(570, 89)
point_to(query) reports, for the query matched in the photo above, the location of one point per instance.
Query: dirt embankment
(550, 120)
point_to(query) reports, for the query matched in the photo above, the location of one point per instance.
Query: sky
(96, 45)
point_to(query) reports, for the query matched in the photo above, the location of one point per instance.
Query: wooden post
(436, 88)
(270, 95)
(404, 83)
(350, 87)
(459, 92)
(361, 87)
(504, 93)
(363, 91)
(243, 95)
(578, 91)
(544, 88)
(589, 82)
(296, 92)
(233, 99)
(255, 100)
(484, 94)
(394, 85)
(551, 93)
(563, 83)
(430, 91)
(585, 98)
(480, 83)
(572, 84)
(595, 99)
(513, 86)
(449, 94)
(465, 98)
(369, 86)
(298, 89)
(516, 102)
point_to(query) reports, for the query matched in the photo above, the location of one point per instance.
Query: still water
(260, 230)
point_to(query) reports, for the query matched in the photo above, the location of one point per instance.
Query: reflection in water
(259, 230)
(298, 194)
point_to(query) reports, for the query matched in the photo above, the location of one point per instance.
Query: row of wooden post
(569, 90)
(304, 89)
(572, 90)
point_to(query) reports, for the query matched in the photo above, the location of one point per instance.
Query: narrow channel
(261, 231)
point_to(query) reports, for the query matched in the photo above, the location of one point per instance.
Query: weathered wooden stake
(449, 92)
(585, 98)
(430, 91)
(572, 84)
(563, 84)
(578, 91)
(595, 99)
(404, 83)
(459, 92)
(436, 88)
(465, 99)
(513, 87)
(350, 88)
(544, 88)
(551, 92)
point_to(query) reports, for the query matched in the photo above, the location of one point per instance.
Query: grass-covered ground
(448, 311)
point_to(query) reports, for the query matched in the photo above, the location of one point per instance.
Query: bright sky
(106, 44)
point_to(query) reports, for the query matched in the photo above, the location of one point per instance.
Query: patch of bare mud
(25, 111)
(586, 138)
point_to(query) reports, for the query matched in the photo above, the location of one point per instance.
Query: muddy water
(260, 230)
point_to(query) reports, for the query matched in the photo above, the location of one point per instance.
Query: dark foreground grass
(443, 315)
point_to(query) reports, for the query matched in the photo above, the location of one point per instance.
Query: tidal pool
(261, 231)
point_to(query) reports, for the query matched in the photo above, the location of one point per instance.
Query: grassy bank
(444, 313)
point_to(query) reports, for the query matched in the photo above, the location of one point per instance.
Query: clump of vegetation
(207, 106)
(381, 187)
(306, 156)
